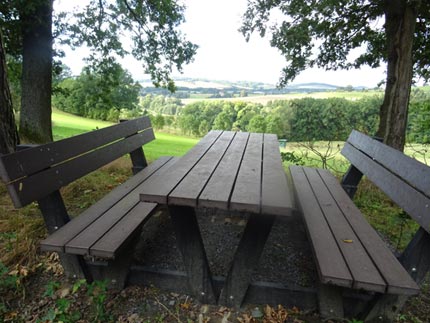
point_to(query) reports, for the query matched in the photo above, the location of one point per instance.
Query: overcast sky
(224, 54)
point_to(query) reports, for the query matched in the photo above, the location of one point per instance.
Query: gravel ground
(286, 258)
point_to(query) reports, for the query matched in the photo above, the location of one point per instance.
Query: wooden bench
(107, 228)
(349, 253)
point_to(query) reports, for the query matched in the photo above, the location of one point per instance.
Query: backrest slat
(33, 187)
(29, 161)
(412, 171)
(414, 202)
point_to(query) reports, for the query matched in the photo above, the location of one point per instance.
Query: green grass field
(66, 125)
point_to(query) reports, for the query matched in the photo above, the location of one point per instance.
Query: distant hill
(192, 87)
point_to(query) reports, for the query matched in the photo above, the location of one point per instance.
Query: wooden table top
(236, 171)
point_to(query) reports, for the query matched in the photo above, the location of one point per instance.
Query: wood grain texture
(110, 244)
(246, 259)
(397, 279)
(416, 204)
(331, 265)
(219, 187)
(410, 170)
(57, 240)
(158, 188)
(32, 160)
(28, 189)
(361, 267)
(188, 190)
(276, 194)
(190, 244)
(246, 194)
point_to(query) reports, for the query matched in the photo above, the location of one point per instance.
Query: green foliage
(100, 92)
(62, 310)
(292, 158)
(324, 33)
(152, 27)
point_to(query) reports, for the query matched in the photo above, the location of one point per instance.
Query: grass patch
(65, 125)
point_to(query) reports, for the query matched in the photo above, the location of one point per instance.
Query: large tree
(324, 33)
(8, 133)
(154, 39)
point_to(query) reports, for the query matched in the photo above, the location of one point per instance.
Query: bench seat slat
(218, 189)
(26, 190)
(412, 201)
(396, 277)
(412, 171)
(361, 267)
(188, 190)
(57, 240)
(35, 159)
(113, 241)
(81, 244)
(330, 262)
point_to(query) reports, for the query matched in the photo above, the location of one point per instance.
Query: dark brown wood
(415, 258)
(55, 215)
(330, 302)
(39, 158)
(396, 277)
(350, 180)
(81, 243)
(28, 190)
(138, 160)
(331, 265)
(53, 211)
(137, 156)
(246, 194)
(158, 188)
(246, 259)
(361, 267)
(188, 190)
(415, 203)
(219, 187)
(58, 240)
(258, 292)
(410, 170)
(111, 243)
(276, 195)
(190, 244)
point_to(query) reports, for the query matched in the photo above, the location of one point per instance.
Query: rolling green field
(66, 125)
(264, 99)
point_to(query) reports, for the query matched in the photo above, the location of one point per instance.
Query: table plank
(191, 186)
(247, 189)
(157, 188)
(275, 192)
(219, 187)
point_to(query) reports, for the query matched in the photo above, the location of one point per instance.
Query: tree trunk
(35, 119)
(8, 132)
(400, 21)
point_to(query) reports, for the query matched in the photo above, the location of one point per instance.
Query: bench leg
(55, 216)
(246, 259)
(417, 264)
(190, 244)
(330, 301)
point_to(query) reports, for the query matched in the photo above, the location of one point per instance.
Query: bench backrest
(405, 180)
(34, 173)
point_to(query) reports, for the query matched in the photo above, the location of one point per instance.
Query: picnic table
(226, 170)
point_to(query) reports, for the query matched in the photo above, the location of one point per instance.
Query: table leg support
(190, 244)
(246, 259)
